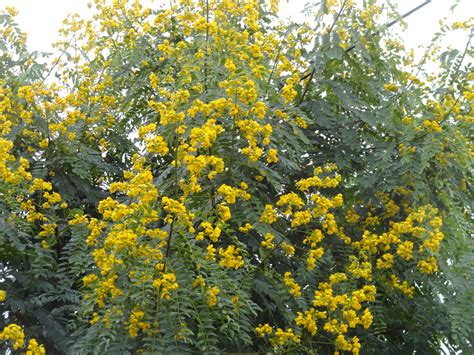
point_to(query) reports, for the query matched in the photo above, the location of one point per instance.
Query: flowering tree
(204, 178)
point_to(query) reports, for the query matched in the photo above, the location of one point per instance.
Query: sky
(41, 19)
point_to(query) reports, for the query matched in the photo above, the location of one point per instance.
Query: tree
(203, 178)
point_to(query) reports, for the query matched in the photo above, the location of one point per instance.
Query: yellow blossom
(291, 285)
(269, 215)
(212, 296)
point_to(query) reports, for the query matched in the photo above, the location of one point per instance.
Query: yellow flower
(230, 66)
(405, 250)
(157, 145)
(268, 242)
(230, 258)
(290, 200)
(428, 266)
(89, 279)
(13, 333)
(230, 194)
(337, 278)
(390, 87)
(288, 92)
(269, 215)
(263, 330)
(166, 284)
(366, 319)
(247, 227)
(385, 262)
(291, 285)
(40, 184)
(432, 126)
(95, 318)
(78, 219)
(211, 252)
(34, 348)
(199, 281)
(44, 143)
(136, 323)
(224, 212)
(307, 320)
(300, 218)
(212, 296)
(404, 287)
(288, 249)
(282, 337)
(313, 256)
(272, 156)
(208, 230)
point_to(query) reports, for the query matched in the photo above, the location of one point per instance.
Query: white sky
(41, 19)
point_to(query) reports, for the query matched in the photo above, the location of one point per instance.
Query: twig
(393, 22)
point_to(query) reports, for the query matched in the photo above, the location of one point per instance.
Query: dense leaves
(203, 178)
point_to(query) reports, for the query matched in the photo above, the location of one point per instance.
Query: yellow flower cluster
(288, 249)
(208, 230)
(390, 87)
(291, 200)
(78, 219)
(196, 164)
(317, 181)
(157, 144)
(205, 136)
(139, 227)
(166, 284)
(247, 227)
(268, 241)
(360, 269)
(211, 252)
(403, 238)
(263, 330)
(432, 126)
(300, 218)
(230, 257)
(14, 334)
(34, 348)
(313, 256)
(402, 286)
(288, 92)
(291, 285)
(178, 210)
(282, 337)
(224, 212)
(269, 215)
(428, 266)
(136, 322)
(212, 296)
(251, 130)
(230, 193)
(385, 262)
(40, 184)
(405, 250)
(351, 216)
(307, 320)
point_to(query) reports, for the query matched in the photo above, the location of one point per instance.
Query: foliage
(203, 178)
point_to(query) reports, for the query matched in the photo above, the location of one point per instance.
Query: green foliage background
(352, 121)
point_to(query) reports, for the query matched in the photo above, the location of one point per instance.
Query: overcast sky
(41, 19)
